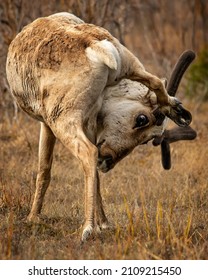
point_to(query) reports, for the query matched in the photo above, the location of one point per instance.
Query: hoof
(180, 116)
(174, 102)
(87, 232)
(33, 218)
(106, 225)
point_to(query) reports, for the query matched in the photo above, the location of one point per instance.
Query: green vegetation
(197, 85)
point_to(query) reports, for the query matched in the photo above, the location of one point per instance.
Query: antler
(178, 133)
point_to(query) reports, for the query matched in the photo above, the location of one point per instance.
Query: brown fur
(49, 41)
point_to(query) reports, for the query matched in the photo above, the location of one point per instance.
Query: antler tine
(179, 133)
(165, 155)
(174, 135)
(179, 69)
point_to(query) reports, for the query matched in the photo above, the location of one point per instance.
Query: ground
(156, 214)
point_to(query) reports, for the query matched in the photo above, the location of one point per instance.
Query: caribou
(95, 96)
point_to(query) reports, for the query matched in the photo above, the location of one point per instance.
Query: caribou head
(130, 116)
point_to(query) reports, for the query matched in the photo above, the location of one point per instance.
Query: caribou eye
(141, 120)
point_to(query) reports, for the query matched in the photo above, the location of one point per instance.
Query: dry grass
(157, 214)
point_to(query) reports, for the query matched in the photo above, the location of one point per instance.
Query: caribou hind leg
(46, 145)
(155, 84)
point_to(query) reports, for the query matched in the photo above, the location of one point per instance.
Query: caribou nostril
(100, 144)
(99, 161)
(105, 163)
(109, 160)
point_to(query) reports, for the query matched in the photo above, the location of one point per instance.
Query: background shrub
(197, 85)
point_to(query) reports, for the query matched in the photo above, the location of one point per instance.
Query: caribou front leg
(69, 131)
(101, 219)
(89, 164)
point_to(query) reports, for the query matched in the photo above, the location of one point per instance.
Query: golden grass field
(156, 214)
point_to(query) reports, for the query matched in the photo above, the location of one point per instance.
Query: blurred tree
(14, 14)
(157, 31)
